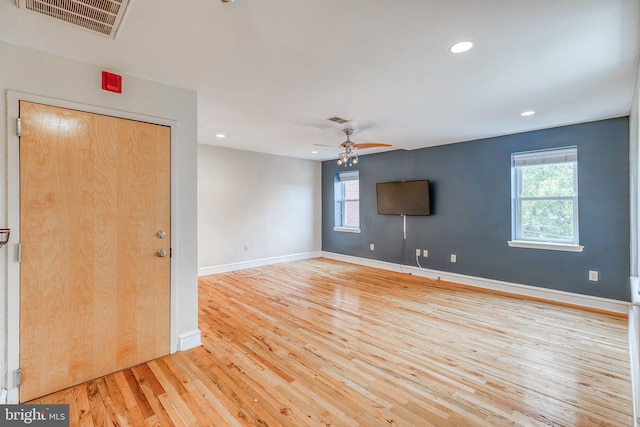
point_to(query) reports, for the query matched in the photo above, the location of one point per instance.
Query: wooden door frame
(13, 219)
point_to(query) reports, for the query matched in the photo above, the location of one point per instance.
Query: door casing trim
(13, 220)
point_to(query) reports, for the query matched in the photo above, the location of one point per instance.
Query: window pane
(547, 220)
(346, 193)
(352, 190)
(351, 214)
(548, 180)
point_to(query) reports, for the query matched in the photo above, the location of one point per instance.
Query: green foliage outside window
(547, 202)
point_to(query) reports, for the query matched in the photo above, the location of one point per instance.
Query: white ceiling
(269, 73)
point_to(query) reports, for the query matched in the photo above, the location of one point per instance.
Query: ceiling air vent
(101, 16)
(337, 119)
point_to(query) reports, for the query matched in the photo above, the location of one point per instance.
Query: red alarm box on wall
(111, 82)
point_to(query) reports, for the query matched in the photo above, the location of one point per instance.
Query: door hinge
(170, 252)
(19, 252)
(18, 127)
(18, 377)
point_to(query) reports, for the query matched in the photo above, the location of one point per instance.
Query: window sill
(346, 229)
(547, 246)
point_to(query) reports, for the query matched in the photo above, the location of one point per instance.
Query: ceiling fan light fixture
(349, 154)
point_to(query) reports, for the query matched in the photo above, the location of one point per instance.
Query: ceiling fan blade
(370, 145)
(324, 145)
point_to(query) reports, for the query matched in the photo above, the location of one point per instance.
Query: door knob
(161, 253)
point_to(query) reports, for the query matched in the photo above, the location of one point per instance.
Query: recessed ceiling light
(314, 152)
(461, 47)
(220, 135)
(527, 113)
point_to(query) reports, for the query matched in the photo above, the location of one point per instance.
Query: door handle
(161, 253)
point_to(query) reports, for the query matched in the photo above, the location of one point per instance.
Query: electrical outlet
(417, 252)
(454, 258)
(371, 247)
(593, 276)
(425, 253)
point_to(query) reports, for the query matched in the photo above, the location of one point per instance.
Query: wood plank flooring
(325, 343)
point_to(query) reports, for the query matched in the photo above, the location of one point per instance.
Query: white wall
(255, 209)
(634, 311)
(634, 164)
(30, 74)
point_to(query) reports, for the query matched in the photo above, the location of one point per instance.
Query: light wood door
(94, 294)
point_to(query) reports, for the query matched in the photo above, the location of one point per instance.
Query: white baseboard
(635, 290)
(13, 396)
(189, 340)
(587, 301)
(225, 268)
(3, 396)
(634, 346)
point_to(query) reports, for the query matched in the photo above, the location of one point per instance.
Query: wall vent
(101, 16)
(337, 119)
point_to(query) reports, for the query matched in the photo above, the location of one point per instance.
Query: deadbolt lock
(161, 234)
(161, 253)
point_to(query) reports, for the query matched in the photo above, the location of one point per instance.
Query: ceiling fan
(349, 154)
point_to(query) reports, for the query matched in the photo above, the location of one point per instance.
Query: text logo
(34, 415)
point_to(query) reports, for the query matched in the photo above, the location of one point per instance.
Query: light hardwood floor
(325, 343)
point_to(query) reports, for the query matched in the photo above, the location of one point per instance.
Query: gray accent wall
(471, 210)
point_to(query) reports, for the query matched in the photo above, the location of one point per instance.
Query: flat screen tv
(403, 198)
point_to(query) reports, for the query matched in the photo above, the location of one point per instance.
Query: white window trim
(346, 229)
(536, 158)
(545, 245)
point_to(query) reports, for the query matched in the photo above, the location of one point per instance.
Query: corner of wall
(634, 314)
(634, 163)
(188, 340)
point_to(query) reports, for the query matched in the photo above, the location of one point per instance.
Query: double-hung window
(346, 192)
(545, 199)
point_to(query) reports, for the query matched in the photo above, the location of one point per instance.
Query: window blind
(546, 157)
